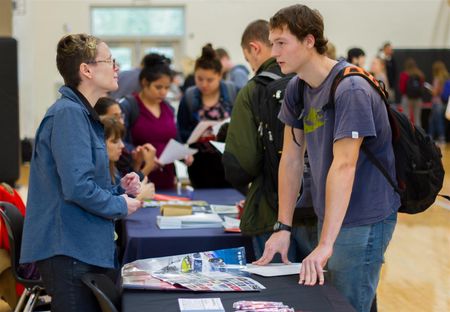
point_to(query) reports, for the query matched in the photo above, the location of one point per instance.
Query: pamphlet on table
(219, 270)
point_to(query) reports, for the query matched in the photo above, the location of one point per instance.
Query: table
(143, 239)
(285, 288)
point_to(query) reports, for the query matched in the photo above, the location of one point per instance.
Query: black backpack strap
(380, 167)
(381, 89)
(301, 107)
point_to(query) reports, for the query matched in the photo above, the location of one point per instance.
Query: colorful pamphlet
(219, 270)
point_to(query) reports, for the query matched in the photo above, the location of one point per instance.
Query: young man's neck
(316, 70)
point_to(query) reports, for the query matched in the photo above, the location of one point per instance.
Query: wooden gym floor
(416, 274)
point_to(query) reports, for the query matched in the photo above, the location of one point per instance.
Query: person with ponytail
(154, 120)
(210, 99)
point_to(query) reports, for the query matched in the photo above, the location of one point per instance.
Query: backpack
(418, 164)
(445, 91)
(414, 87)
(266, 103)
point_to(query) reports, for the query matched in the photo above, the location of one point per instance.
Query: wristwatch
(278, 226)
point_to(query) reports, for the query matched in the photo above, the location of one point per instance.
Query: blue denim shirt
(71, 203)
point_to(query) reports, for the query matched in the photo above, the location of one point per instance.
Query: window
(137, 21)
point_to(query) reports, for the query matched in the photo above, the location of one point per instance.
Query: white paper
(216, 127)
(274, 269)
(220, 146)
(175, 151)
(201, 127)
(200, 305)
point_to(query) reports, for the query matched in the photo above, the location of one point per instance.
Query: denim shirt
(71, 203)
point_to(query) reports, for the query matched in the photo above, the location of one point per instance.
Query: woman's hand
(133, 204)
(131, 184)
(147, 190)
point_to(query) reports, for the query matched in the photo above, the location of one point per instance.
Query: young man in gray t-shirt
(355, 204)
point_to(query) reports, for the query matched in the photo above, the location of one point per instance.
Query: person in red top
(10, 195)
(155, 123)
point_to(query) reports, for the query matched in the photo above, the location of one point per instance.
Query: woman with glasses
(149, 118)
(72, 205)
(141, 159)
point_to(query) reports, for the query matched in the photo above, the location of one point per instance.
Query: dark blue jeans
(62, 281)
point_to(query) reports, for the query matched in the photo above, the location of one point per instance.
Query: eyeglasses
(109, 61)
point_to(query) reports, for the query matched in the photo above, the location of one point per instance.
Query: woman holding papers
(204, 105)
(149, 118)
(72, 205)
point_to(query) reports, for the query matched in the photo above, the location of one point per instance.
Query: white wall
(363, 23)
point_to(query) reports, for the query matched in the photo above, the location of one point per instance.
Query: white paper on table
(201, 127)
(200, 304)
(216, 127)
(175, 151)
(220, 146)
(274, 269)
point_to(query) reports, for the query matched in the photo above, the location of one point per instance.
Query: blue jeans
(62, 281)
(358, 253)
(436, 128)
(303, 241)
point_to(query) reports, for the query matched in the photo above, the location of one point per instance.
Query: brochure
(175, 151)
(219, 270)
(214, 281)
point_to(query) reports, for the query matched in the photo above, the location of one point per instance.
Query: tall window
(131, 32)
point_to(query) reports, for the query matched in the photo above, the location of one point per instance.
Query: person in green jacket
(244, 158)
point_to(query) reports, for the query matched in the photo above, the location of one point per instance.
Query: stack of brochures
(195, 221)
(263, 306)
(219, 270)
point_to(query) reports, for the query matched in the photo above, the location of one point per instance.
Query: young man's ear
(309, 41)
(255, 46)
(85, 70)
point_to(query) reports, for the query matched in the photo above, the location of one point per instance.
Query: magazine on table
(218, 270)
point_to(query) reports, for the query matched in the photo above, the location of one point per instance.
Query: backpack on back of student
(268, 96)
(418, 164)
(414, 87)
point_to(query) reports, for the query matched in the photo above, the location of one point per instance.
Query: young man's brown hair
(256, 31)
(301, 21)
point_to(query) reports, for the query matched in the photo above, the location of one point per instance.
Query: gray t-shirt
(359, 111)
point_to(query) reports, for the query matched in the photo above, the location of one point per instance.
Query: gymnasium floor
(416, 275)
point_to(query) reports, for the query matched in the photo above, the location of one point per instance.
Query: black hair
(154, 67)
(208, 60)
(354, 52)
(102, 105)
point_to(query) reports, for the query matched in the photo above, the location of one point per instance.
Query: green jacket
(243, 161)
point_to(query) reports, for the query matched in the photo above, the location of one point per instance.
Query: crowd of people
(97, 150)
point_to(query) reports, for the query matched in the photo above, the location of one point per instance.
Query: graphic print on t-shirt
(313, 120)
